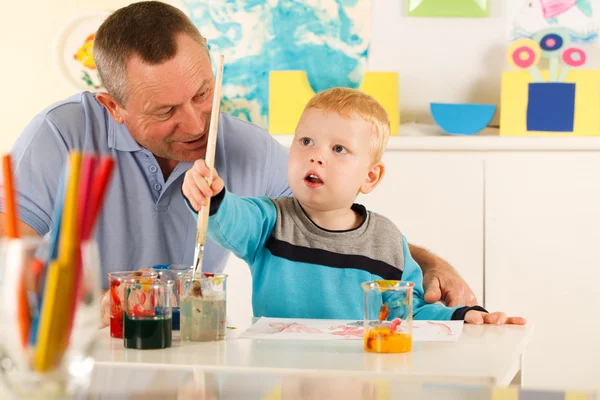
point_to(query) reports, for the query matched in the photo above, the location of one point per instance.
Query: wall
(439, 59)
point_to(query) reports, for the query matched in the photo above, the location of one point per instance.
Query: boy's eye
(306, 141)
(339, 149)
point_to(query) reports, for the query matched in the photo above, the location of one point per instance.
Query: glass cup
(388, 316)
(49, 318)
(147, 316)
(116, 281)
(174, 272)
(203, 310)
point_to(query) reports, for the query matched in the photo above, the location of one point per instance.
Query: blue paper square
(551, 107)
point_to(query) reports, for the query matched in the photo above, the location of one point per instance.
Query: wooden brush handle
(202, 225)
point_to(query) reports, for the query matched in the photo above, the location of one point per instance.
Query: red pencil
(101, 180)
(88, 167)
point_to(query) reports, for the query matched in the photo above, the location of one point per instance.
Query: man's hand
(441, 281)
(196, 187)
(496, 318)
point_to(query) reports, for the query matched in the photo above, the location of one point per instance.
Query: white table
(484, 355)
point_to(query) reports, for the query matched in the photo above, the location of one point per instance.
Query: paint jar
(174, 272)
(203, 309)
(116, 282)
(388, 316)
(147, 321)
(49, 318)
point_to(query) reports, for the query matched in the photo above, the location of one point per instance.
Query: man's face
(168, 105)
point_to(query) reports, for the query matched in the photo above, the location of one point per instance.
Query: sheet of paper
(580, 17)
(327, 329)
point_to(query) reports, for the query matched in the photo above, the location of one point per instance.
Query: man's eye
(339, 148)
(169, 111)
(200, 95)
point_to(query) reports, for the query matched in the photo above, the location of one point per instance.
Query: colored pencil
(52, 251)
(58, 292)
(98, 192)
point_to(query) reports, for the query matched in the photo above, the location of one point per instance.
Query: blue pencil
(52, 253)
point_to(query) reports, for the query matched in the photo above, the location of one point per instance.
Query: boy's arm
(240, 224)
(421, 309)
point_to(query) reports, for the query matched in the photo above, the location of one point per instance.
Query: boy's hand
(195, 184)
(496, 318)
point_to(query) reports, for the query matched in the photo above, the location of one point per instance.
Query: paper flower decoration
(573, 57)
(525, 54)
(552, 41)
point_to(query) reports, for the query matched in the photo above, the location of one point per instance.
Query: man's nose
(191, 120)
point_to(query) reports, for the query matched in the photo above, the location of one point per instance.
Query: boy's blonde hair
(345, 102)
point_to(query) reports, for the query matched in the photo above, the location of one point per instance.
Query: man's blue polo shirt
(144, 220)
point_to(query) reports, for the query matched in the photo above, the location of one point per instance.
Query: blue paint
(175, 318)
(293, 36)
(462, 119)
(551, 107)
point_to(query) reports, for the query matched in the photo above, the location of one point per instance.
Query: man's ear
(373, 178)
(114, 109)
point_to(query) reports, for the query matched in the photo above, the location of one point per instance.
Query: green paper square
(448, 8)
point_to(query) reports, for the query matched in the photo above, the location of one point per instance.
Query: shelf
(424, 137)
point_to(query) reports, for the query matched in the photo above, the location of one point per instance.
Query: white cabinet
(436, 200)
(542, 234)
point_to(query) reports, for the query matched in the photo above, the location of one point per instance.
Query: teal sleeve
(421, 309)
(241, 224)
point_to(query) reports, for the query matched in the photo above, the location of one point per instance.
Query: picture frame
(448, 8)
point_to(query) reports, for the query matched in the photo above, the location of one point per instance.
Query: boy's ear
(373, 178)
(114, 109)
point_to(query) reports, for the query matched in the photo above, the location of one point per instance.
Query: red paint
(116, 326)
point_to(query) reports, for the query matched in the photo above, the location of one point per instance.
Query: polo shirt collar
(119, 137)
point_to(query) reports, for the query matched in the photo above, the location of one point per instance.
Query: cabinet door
(542, 237)
(436, 200)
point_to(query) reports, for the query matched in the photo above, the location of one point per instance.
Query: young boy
(308, 254)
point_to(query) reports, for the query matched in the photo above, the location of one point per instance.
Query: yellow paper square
(513, 105)
(289, 91)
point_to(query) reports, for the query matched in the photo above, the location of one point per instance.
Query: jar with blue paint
(174, 273)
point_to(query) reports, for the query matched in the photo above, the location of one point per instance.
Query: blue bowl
(462, 119)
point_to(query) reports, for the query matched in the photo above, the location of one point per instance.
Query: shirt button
(157, 186)
(153, 168)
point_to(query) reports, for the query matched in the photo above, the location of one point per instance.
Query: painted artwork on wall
(580, 17)
(562, 100)
(74, 49)
(448, 8)
(328, 39)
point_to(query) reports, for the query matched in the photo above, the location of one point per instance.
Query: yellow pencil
(58, 292)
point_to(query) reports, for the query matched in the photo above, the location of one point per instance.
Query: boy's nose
(316, 159)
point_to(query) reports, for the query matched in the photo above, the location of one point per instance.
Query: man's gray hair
(147, 29)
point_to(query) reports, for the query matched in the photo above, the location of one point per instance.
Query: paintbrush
(202, 224)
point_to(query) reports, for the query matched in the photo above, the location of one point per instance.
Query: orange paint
(383, 340)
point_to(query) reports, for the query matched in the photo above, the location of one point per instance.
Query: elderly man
(154, 121)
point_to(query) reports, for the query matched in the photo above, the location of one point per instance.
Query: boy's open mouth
(313, 178)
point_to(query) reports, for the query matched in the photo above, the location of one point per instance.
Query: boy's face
(331, 161)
